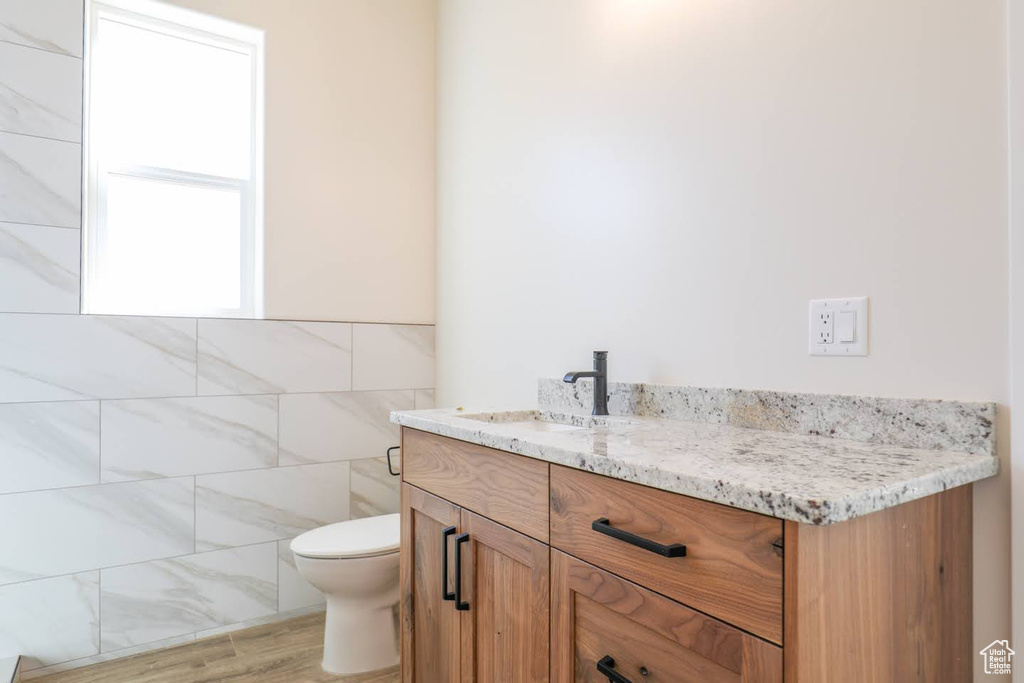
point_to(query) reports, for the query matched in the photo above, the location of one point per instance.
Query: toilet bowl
(355, 565)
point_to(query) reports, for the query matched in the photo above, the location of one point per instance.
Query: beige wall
(673, 181)
(350, 133)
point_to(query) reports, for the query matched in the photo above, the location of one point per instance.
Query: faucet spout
(600, 375)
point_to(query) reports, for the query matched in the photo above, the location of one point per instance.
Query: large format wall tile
(54, 25)
(40, 181)
(158, 600)
(47, 533)
(375, 491)
(392, 357)
(147, 438)
(51, 620)
(273, 357)
(349, 426)
(39, 269)
(294, 592)
(242, 508)
(40, 93)
(61, 357)
(49, 445)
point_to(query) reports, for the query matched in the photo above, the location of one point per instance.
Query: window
(173, 163)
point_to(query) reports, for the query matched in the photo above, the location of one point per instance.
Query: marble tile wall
(250, 356)
(39, 269)
(42, 93)
(338, 426)
(67, 357)
(58, 619)
(49, 445)
(116, 472)
(40, 155)
(51, 25)
(152, 601)
(169, 437)
(153, 471)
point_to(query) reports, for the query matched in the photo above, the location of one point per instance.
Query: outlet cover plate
(823, 337)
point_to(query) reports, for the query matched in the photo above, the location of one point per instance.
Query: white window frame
(195, 26)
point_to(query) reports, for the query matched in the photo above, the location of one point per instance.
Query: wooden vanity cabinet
(604, 623)
(732, 569)
(475, 597)
(505, 631)
(510, 489)
(431, 636)
(562, 576)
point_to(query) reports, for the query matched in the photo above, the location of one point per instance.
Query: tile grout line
(40, 225)
(40, 137)
(99, 602)
(204, 317)
(139, 562)
(187, 475)
(43, 49)
(99, 443)
(247, 394)
(101, 482)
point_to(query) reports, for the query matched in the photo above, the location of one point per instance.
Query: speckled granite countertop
(805, 478)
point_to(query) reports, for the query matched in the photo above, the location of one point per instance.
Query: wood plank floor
(283, 652)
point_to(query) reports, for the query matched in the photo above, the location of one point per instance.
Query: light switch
(847, 327)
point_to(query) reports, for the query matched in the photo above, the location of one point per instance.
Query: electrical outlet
(838, 327)
(826, 327)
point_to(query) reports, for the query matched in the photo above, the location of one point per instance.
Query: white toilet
(355, 565)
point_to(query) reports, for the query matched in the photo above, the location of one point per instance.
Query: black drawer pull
(606, 667)
(459, 604)
(445, 533)
(603, 526)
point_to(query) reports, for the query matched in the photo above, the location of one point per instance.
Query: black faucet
(600, 375)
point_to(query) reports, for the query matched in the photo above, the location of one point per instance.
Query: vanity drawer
(507, 488)
(602, 623)
(732, 567)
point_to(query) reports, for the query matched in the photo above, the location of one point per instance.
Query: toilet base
(358, 639)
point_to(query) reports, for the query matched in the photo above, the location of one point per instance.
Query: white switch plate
(824, 336)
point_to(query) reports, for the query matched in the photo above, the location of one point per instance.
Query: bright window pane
(173, 157)
(169, 248)
(171, 102)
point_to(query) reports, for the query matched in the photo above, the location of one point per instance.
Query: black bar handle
(445, 533)
(603, 526)
(459, 604)
(391, 470)
(606, 667)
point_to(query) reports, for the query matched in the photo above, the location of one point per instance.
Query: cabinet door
(505, 587)
(430, 623)
(605, 628)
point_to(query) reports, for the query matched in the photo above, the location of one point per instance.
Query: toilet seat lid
(356, 538)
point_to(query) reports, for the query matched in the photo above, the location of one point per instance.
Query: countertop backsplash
(967, 427)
